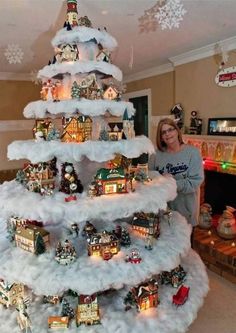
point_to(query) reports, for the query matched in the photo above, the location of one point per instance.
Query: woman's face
(169, 134)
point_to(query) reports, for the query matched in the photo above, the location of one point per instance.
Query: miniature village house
(115, 131)
(110, 181)
(146, 295)
(146, 224)
(39, 177)
(87, 310)
(110, 93)
(103, 244)
(9, 293)
(58, 322)
(29, 238)
(43, 126)
(77, 129)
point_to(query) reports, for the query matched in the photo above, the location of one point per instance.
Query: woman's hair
(166, 121)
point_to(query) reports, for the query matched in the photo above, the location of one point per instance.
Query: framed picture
(222, 126)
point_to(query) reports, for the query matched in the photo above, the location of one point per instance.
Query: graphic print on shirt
(173, 169)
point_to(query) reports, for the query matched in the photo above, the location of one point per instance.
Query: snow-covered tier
(93, 274)
(99, 151)
(80, 67)
(148, 197)
(84, 34)
(166, 318)
(68, 108)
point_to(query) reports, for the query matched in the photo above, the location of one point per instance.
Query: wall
(193, 85)
(14, 96)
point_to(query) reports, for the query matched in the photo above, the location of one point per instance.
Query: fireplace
(219, 190)
(219, 159)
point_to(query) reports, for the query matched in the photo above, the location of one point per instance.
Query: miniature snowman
(227, 224)
(39, 137)
(205, 218)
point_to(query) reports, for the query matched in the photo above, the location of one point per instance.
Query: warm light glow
(209, 232)
(212, 242)
(233, 244)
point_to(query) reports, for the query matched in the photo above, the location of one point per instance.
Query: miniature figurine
(205, 218)
(227, 224)
(178, 112)
(75, 230)
(23, 317)
(195, 124)
(89, 229)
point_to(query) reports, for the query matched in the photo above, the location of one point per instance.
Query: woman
(181, 161)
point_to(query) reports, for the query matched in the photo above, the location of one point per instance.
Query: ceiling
(33, 23)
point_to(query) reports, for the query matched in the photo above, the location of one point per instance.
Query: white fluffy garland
(84, 34)
(42, 109)
(99, 151)
(152, 196)
(92, 274)
(79, 67)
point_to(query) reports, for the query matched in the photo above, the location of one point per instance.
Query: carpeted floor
(218, 314)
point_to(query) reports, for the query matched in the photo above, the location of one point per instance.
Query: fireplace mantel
(218, 152)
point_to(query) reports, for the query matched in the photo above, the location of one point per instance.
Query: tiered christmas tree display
(83, 238)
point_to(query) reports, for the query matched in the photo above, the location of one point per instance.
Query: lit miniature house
(110, 181)
(58, 322)
(89, 88)
(146, 295)
(128, 126)
(39, 177)
(77, 129)
(111, 93)
(9, 293)
(32, 239)
(88, 310)
(115, 131)
(43, 126)
(175, 277)
(146, 224)
(103, 244)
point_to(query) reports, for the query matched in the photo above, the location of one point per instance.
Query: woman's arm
(151, 162)
(195, 175)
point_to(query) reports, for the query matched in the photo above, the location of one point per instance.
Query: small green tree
(75, 90)
(39, 245)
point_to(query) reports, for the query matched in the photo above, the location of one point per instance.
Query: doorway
(142, 125)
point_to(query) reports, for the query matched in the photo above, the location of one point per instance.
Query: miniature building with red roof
(88, 310)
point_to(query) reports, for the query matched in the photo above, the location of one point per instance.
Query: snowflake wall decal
(166, 13)
(170, 14)
(14, 54)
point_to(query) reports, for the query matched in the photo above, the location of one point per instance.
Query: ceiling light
(104, 12)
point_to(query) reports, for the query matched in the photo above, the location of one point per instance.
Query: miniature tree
(66, 309)
(69, 180)
(39, 245)
(88, 275)
(125, 238)
(75, 90)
